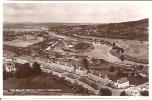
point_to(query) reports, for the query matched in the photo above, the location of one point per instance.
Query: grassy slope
(43, 81)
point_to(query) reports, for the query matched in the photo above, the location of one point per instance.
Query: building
(72, 71)
(57, 46)
(122, 83)
(9, 67)
(98, 77)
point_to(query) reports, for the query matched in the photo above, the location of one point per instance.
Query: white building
(122, 83)
(9, 67)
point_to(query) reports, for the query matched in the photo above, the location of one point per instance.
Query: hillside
(134, 30)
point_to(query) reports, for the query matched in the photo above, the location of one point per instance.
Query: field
(43, 81)
(133, 48)
(19, 43)
(101, 52)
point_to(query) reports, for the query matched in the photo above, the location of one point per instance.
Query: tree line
(23, 70)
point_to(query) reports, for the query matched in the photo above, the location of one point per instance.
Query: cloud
(73, 13)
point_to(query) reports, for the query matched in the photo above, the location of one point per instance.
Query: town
(93, 59)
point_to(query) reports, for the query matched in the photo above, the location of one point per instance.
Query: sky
(73, 12)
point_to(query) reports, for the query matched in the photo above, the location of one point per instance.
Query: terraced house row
(72, 71)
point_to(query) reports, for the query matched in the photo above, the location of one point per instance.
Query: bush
(83, 46)
(5, 75)
(140, 67)
(85, 63)
(121, 74)
(36, 68)
(10, 74)
(25, 70)
(144, 93)
(105, 92)
(123, 93)
(122, 58)
(112, 69)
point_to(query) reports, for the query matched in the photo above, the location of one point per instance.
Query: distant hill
(137, 30)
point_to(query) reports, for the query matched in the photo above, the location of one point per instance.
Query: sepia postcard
(75, 49)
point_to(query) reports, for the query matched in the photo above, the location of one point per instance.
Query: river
(101, 51)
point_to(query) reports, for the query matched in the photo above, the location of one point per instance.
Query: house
(57, 72)
(9, 67)
(122, 83)
(69, 77)
(81, 71)
(98, 77)
(88, 84)
(98, 61)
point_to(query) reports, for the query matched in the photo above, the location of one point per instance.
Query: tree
(85, 63)
(123, 93)
(122, 57)
(105, 92)
(5, 75)
(114, 44)
(140, 67)
(19, 72)
(36, 68)
(23, 70)
(122, 50)
(11, 74)
(144, 93)
(120, 73)
(112, 69)
(27, 69)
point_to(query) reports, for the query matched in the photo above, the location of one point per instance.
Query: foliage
(25, 70)
(122, 58)
(112, 69)
(5, 75)
(120, 73)
(140, 67)
(36, 68)
(105, 92)
(144, 93)
(83, 46)
(123, 93)
(85, 63)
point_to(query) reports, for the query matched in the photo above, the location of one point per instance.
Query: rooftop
(122, 80)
